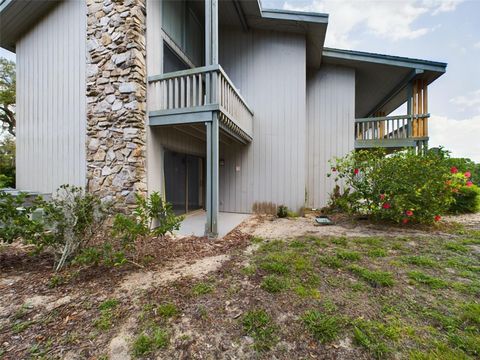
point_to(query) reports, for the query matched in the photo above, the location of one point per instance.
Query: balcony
(190, 96)
(391, 132)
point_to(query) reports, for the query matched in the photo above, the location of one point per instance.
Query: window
(171, 62)
(183, 26)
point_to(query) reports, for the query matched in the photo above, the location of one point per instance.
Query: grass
(322, 327)
(21, 326)
(348, 255)
(430, 281)
(441, 311)
(470, 313)
(395, 297)
(259, 325)
(453, 246)
(148, 343)
(375, 278)
(331, 262)
(203, 288)
(274, 284)
(377, 253)
(167, 310)
(366, 337)
(420, 260)
(107, 314)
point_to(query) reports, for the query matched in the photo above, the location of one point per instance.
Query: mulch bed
(24, 275)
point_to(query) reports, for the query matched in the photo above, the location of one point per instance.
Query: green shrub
(104, 254)
(67, 224)
(7, 161)
(401, 187)
(152, 217)
(467, 200)
(16, 220)
(74, 217)
(5, 181)
(282, 211)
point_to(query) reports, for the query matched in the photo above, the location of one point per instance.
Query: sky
(439, 30)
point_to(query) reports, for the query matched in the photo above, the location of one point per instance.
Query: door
(184, 181)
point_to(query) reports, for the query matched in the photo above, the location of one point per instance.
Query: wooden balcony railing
(391, 131)
(201, 89)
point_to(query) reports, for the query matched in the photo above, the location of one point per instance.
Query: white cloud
(440, 6)
(477, 45)
(469, 101)
(392, 20)
(461, 137)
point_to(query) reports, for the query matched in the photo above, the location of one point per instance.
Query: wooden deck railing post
(409, 109)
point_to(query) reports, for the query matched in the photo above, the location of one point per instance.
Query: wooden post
(420, 107)
(409, 109)
(425, 107)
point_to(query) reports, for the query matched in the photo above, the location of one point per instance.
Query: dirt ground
(274, 228)
(65, 315)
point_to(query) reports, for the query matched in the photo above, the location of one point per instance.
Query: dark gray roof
(381, 79)
(17, 17)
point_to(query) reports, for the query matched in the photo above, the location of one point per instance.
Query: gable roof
(381, 79)
(17, 17)
(249, 14)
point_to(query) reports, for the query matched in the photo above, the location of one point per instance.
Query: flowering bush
(403, 187)
(467, 199)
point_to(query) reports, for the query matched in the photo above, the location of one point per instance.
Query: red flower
(386, 206)
(453, 170)
(437, 218)
(448, 182)
(405, 221)
(334, 169)
(355, 171)
(409, 212)
(382, 196)
(468, 174)
(456, 190)
(469, 183)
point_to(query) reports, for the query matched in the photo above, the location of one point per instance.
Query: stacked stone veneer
(116, 99)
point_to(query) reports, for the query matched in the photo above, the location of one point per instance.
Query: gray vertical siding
(269, 70)
(51, 100)
(330, 126)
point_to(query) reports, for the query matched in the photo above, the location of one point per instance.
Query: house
(221, 105)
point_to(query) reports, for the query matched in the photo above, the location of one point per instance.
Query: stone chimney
(116, 99)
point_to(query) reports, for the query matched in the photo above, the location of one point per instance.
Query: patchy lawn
(351, 291)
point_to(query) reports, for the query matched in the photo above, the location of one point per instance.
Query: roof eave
(391, 60)
(313, 25)
(18, 16)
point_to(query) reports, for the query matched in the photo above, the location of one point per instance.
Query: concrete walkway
(194, 224)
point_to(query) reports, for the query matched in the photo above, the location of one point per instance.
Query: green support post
(212, 127)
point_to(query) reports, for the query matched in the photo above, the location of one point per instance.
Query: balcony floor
(389, 143)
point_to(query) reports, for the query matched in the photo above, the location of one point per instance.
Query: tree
(7, 95)
(7, 161)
